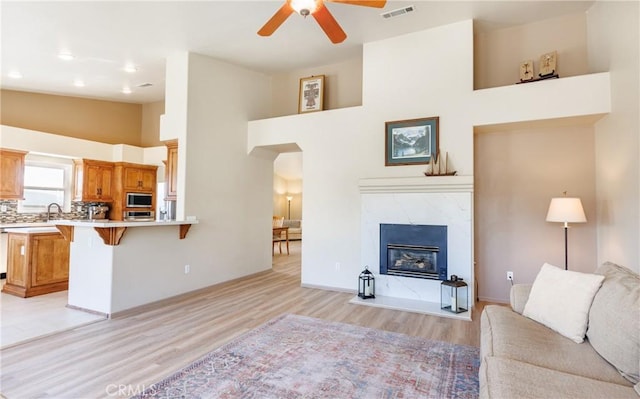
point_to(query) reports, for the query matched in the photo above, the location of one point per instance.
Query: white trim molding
(427, 184)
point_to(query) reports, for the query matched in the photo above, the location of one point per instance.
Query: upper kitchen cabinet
(134, 177)
(11, 174)
(93, 180)
(171, 177)
(130, 178)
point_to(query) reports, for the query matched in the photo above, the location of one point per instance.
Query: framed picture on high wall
(311, 95)
(411, 141)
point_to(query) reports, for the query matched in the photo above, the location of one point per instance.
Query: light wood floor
(134, 351)
(25, 319)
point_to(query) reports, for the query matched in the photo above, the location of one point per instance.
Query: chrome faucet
(49, 210)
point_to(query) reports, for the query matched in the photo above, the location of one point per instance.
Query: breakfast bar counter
(110, 271)
(112, 231)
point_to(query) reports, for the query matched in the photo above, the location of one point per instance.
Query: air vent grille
(398, 12)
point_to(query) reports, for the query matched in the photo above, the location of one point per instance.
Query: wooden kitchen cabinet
(11, 174)
(93, 180)
(37, 264)
(132, 178)
(171, 175)
(139, 178)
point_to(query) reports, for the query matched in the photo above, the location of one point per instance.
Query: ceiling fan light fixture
(304, 7)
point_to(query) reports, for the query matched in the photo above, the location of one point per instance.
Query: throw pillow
(560, 299)
(614, 320)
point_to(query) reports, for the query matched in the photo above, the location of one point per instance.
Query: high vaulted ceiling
(105, 36)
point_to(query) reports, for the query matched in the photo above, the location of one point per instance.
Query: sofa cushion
(561, 299)
(614, 320)
(518, 296)
(505, 333)
(506, 378)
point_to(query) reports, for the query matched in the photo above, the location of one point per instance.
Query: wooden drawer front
(49, 259)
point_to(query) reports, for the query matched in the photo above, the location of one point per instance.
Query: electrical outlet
(337, 266)
(3, 208)
(187, 269)
(510, 276)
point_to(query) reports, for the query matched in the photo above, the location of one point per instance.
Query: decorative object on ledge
(454, 295)
(526, 71)
(411, 141)
(548, 64)
(437, 167)
(366, 284)
(548, 68)
(311, 95)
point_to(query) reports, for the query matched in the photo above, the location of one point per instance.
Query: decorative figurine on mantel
(437, 167)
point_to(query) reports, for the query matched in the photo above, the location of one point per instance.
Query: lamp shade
(567, 210)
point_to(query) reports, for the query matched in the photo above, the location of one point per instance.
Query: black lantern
(454, 295)
(366, 284)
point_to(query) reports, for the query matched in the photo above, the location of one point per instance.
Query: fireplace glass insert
(418, 251)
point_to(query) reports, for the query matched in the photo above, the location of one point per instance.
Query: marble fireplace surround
(433, 200)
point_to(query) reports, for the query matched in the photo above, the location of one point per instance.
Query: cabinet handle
(22, 250)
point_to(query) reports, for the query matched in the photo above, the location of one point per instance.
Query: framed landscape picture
(311, 95)
(411, 142)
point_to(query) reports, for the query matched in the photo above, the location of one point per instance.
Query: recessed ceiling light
(65, 55)
(15, 75)
(78, 83)
(126, 90)
(130, 68)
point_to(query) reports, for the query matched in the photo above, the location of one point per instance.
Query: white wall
(63, 146)
(517, 172)
(400, 81)
(614, 45)
(343, 86)
(344, 145)
(227, 190)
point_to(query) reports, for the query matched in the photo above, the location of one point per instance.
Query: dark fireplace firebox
(413, 251)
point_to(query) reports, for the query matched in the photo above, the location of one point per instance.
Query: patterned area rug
(301, 357)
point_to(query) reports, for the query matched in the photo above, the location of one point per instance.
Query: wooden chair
(277, 225)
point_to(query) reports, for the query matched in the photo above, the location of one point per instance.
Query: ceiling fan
(320, 13)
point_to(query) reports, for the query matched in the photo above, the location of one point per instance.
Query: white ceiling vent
(398, 12)
(145, 85)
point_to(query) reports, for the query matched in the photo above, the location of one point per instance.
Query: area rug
(301, 357)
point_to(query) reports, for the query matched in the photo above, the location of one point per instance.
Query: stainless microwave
(139, 200)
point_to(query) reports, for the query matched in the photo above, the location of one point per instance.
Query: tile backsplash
(11, 215)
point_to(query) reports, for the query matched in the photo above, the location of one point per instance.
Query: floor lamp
(289, 198)
(566, 210)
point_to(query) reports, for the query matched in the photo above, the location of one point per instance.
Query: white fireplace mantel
(424, 184)
(418, 200)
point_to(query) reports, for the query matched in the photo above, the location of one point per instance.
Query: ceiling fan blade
(366, 3)
(329, 24)
(278, 18)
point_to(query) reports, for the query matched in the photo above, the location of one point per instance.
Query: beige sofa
(521, 358)
(295, 228)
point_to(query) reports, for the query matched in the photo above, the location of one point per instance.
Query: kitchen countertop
(23, 224)
(32, 230)
(118, 223)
